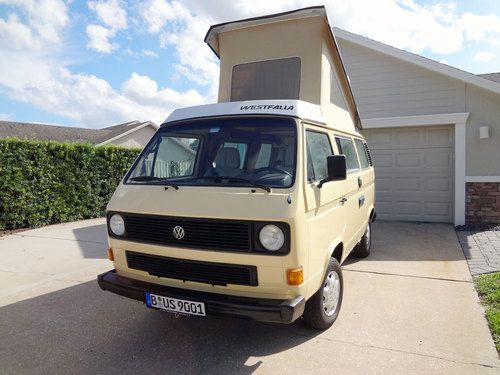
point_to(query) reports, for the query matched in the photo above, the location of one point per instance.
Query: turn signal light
(295, 276)
(111, 257)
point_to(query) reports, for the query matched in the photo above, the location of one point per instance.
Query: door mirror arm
(337, 169)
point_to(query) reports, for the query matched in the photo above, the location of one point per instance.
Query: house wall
(137, 139)
(483, 155)
(482, 202)
(387, 87)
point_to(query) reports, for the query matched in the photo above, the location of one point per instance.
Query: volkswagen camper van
(248, 208)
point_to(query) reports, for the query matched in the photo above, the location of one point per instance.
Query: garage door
(414, 172)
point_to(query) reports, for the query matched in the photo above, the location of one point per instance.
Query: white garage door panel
(414, 172)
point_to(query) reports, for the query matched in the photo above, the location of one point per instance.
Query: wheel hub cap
(331, 293)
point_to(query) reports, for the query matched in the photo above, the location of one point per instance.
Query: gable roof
(56, 133)
(476, 80)
(495, 77)
(117, 131)
(45, 132)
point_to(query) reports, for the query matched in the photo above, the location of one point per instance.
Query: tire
(322, 309)
(362, 249)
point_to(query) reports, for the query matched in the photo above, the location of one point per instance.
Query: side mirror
(337, 169)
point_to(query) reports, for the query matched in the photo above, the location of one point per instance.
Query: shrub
(44, 182)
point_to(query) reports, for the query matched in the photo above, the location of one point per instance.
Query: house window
(363, 158)
(336, 95)
(271, 79)
(346, 147)
(318, 149)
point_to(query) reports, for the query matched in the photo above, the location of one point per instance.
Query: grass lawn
(488, 287)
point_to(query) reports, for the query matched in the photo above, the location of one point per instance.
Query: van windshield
(234, 152)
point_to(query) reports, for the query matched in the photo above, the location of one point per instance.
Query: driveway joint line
(408, 352)
(30, 272)
(409, 276)
(56, 238)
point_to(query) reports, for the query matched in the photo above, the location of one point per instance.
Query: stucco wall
(138, 138)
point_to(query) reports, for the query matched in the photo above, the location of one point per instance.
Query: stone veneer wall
(482, 202)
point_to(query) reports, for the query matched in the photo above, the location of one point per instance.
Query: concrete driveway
(409, 308)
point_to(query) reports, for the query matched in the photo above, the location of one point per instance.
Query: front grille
(202, 234)
(188, 270)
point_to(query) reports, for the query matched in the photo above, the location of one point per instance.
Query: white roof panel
(292, 108)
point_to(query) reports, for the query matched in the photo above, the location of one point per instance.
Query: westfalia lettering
(267, 106)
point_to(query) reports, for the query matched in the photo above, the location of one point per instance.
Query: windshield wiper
(234, 179)
(146, 178)
(154, 178)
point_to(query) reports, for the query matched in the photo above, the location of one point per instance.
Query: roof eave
(147, 123)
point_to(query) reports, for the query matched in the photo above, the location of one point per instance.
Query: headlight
(271, 237)
(117, 225)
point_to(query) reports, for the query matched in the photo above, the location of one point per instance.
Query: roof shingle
(63, 133)
(495, 77)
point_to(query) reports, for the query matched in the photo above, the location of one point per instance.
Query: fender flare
(335, 243)
(372, 214)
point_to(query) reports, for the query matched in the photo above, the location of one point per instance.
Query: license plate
(175, 305)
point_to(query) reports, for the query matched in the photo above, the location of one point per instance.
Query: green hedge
(48, 182)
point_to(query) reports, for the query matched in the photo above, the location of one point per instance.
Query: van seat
(227, 162)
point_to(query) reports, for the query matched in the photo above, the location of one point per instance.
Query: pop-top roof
(212, 35)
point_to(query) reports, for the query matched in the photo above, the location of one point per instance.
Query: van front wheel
(362, 249)
(322, 309)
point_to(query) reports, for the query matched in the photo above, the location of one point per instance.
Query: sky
(102, 62)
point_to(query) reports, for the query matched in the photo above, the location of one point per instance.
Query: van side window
(347, 148)
(318, 148)
(270, 79)
(336, 95)
(363, 158)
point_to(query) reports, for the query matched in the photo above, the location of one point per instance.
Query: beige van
(249, 207)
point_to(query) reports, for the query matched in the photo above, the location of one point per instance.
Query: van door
(326, 212)
(356, 216)
(367, 183)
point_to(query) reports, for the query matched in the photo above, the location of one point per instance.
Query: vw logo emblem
(179, 232)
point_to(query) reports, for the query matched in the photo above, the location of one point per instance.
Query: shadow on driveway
(84, 330)
(92, 241)
(395, 241)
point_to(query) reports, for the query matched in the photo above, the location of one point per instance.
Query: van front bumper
(261, 309)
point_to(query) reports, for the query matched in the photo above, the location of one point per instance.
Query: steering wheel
(272, 169)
